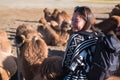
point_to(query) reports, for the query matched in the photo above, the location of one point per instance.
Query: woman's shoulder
(76, 37)
(83, 33)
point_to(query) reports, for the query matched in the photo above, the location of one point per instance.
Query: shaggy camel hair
(23, 28)
(51, 69)
(33, 54)
(33, 50)
(8, 66)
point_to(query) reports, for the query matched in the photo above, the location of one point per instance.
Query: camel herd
(34, 61)
(55, 27)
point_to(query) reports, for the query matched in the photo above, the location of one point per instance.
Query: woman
(82, 22)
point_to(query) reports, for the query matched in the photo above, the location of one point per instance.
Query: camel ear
(19, 40)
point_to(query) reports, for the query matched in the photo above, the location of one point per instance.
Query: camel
(59, 17)
(23, 28)
(113, 24)
(34, 54)
(33, 50)
(110, 24)
(54, 36)
(8, 66)
(56, 17)
(49, 35)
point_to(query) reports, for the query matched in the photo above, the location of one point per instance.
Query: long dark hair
(87, 16)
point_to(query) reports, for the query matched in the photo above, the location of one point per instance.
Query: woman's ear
(19, 40)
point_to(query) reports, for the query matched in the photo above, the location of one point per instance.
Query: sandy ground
(15, 12)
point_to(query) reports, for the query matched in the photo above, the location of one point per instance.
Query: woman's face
(77, 22)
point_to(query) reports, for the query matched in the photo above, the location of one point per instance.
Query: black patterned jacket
(73, 42)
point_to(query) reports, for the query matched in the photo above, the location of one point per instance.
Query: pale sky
(48, 3)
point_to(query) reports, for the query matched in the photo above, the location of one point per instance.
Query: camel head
(30, 43)
(115, 11)
(47, 12)
(109, 24)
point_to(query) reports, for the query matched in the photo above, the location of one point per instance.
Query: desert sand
(16, 12)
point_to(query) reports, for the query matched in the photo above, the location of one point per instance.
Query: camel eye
(18, 39)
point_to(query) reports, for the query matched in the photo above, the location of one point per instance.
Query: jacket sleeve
(72, 43)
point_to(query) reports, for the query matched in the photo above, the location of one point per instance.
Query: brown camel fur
(110, 24)
(49, 35)
(51, 69)
(34, 57)
(59, 17)
(22, 28)
(33, 50)
(56, 16)
(56, 20)
(63, 16)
